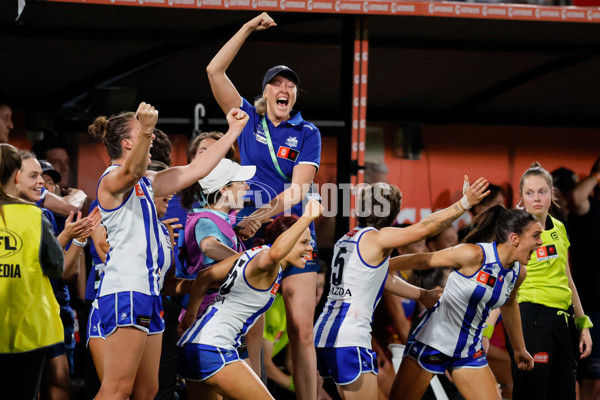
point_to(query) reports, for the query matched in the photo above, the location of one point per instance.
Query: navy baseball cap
(47, 168)
(282, 70)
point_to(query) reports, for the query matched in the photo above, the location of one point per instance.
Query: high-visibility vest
(29, 312)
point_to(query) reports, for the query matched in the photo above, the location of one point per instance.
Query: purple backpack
(195, 258)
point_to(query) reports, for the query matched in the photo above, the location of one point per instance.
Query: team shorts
(345, 364)
(94, 325)
(198, 362)
(141, 311)
(433, 361)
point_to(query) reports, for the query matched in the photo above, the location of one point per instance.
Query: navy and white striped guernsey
(167, 250)
(455, 325)
(235, 309)
(356, 288)
(135, 255)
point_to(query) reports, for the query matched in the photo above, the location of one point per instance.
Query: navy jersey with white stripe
(135, 255)
(455, 325)
(235, 309)
(295, 142)
(356, 288)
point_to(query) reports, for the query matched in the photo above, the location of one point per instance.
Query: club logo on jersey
(275, 289)
(352, 232)
(486, 279)
(541, 358)
(544, 253)
(287, 153)
(260, 138)
(138, 191)
(291, 141)
(311, 256)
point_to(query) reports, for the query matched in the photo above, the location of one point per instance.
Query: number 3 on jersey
(338, 267)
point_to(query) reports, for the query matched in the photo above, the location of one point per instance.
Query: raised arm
(464, 255)
(124, 178)
(390, 238)
(223, 89)
(271, 258)
(172, 180)
(579, 196)
(302, 177)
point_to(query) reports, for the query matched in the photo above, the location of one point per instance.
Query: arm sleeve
(205, 227)
(311, 148)
(247, 133)
(51, 254)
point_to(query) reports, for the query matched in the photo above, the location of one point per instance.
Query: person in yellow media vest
(29, 313)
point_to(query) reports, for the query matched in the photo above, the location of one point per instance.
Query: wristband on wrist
(583, 322)
(488, 331)
(464, 203)
(79, 244)
(291, 388)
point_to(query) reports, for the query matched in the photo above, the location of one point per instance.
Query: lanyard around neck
(272, 150)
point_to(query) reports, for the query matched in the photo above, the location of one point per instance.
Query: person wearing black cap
(285, 149)
(51, 176)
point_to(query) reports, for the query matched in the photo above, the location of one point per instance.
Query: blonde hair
(261, 106)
